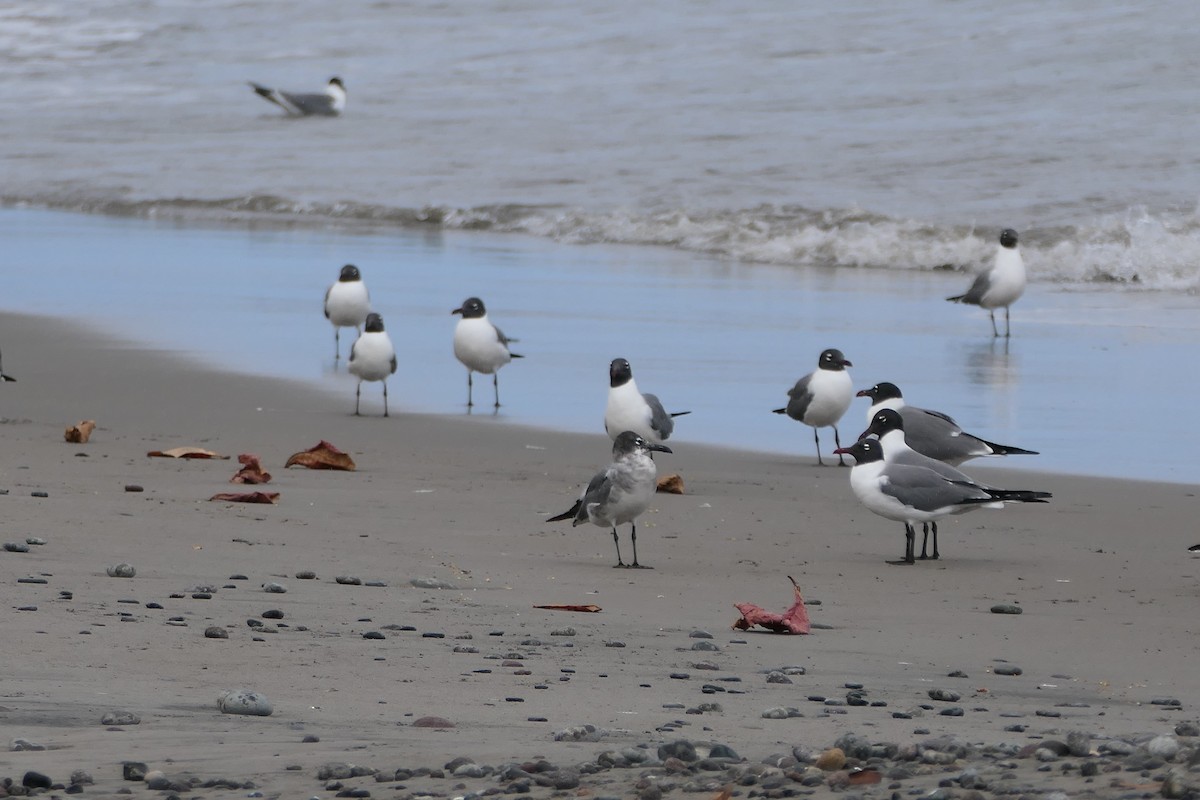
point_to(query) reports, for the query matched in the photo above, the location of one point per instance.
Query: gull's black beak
(662, 448)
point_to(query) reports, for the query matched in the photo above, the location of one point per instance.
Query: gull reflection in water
(990, 363)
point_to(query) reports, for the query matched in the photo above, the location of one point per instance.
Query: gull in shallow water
(631, 410)
(328, 103)
(821, 397)
(1000, 286)
(372, 358)
(620, 492)
(347, 304)
(480, 345)
(912, 494)
(933, 433)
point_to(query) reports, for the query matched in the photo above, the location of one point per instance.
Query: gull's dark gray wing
(306, 104)
(925, 490)
(598, 492)
(799, 398)
(660, 421)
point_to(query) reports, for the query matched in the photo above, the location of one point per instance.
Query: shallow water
(721, 339)
(856, 135)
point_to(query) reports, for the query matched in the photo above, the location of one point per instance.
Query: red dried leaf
(247, 497)
(322, 456)
(591, 609)
(794, 620)
(251, 471)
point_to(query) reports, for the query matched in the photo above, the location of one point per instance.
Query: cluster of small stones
(937, 768)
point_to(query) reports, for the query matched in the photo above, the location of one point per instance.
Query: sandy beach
(1101, 575)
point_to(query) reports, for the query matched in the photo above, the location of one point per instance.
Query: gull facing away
(480, 345)
(911, 494)
(620, 492)
(372, 358)
(347, 304)
(888, 425)
(1000, 286)
(5, 377)
(328, 103)
(821, 397)
(933, 433)
(631, 410)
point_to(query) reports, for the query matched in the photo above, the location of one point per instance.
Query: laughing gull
(631, 410)
(372, 358)
(620, 492)
(888, 425)
(933, 433)
(480, 345)
(346, 305)
(4, 377)
(328, 103)
(821, 397)
(1001, 285)
(911, 494)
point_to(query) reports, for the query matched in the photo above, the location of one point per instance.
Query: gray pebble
(699, 634)
(36, 541)
(215, 632)
(563, 632)
(306, 575)
(24, 744)
(1007, 608)
(1007, 669)
(776, 676)
(245, 701)
(134, 770)
(122, 570)
(272, 613)
(120, 718)
(348, 580)
(704, 644)
(681, 749)
(778, 712)
(373, 635)
(946, 695)
(16, 547)
(952, 711)
(1165, 747)
(431, 583)
(273, 587)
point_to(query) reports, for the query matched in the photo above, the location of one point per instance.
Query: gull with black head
(480, 345)
(372, 358)
(347, 304)
(821, 397)
(631, 410)
(328, 103)
(1001, 285)
(620, 492)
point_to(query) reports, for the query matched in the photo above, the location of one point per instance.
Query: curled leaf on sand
(671, 484)
(79, 434)
(322, 456)
(251, 471)
(794, 620)
(247, 497)
(590, 609)
(185, 452)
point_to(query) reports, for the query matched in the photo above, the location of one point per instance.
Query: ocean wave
(1138, 249)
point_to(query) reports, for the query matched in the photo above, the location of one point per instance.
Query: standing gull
(480, 345)
(821, 397)
(911, 494)
(888, 425)
(4, 377)
(328, 103)
(620, 492)
(631, 410)
(1000, 286)
(346, 305)
(372, 358)
(933, 433)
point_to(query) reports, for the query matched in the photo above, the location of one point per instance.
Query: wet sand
(1100, 573)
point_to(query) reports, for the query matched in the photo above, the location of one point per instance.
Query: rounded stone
(122, 570)
(1007, 608)
(215, 632)
(245, 701)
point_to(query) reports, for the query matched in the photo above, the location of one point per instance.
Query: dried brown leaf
(247, 497)
(251, 471)
(322, 456)
(671, 484)
(185, 452)
(79, 434)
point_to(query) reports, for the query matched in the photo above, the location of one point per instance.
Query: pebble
(946, 695)
(348, 580)
(272, 587)
(39, 494)
(36, 780)
(431, 583)
(16, 547)
(272, 613)
(563, 632)
(775, 676)
(1007, 608)
(704, 644)
(373, 635)
(432, 722)
(122, 570)
(120, 718)
(245, 701)
(133, 487)
(36, 541)
(32, 579)
(1006, 669)
(215, 632)
(306, 575)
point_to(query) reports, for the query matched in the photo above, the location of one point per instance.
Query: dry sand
(1101, 573)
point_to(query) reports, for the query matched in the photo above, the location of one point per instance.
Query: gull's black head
(881, 391)
(374, 323)
(628, 442)
(472, 308)
(619, 373)
(833, 359)
(1008, 238)
(885, 421)
(864, 451)
(335, 81)
(349, 274)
